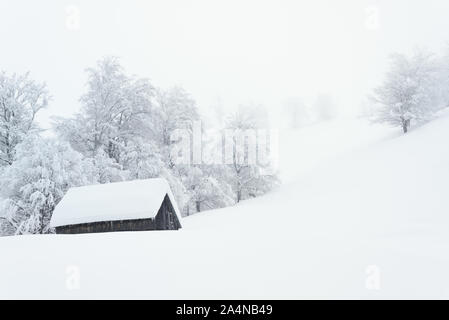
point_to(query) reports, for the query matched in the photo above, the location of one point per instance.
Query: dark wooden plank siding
(108, 226)
(166, 218)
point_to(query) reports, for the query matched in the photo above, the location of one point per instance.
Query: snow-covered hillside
(361, 208)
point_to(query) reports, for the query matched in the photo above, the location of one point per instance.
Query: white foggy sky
(241, 51)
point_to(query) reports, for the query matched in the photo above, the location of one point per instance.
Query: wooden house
(140, 205)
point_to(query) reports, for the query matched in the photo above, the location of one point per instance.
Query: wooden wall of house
(166, 219)
(109, 226)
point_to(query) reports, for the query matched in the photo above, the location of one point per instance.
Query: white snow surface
(140, 199)
(363, 213)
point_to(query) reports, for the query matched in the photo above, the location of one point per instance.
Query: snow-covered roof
(132, 200)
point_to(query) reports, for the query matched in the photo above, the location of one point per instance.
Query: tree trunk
(110, 150)
(41, 222)
(198, 206)
(239, 196)
(9, 149)
(405, 125)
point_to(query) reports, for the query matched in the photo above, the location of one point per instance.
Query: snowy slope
(356, 198)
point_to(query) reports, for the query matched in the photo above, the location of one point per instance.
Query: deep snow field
(363, 213)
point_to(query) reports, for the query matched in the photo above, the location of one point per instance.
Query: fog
(228, 52)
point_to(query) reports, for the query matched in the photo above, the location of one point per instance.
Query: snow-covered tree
(177, 110)
(249, 177)
(43, 170)
(103, 169)
(408, 92)
(204, 190)
(115, 109)
(7, 212)
(142, 160)
(20, 100)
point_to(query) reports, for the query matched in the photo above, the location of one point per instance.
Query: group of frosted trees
(297, 114)
(123, 131)
(415, 88)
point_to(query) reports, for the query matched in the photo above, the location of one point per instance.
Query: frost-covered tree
(248, 175)
(408, 92)
(103, 169)
(142, 160)
(43, 170)
(20, 100)
(177, 110)
(115, 109)
(204, 190)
